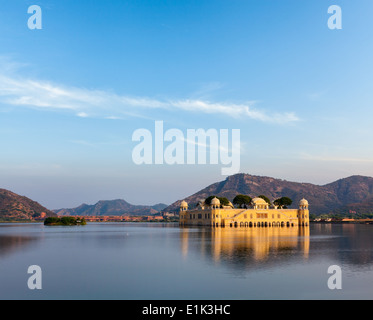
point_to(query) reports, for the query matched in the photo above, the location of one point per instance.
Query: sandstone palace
(259, 214)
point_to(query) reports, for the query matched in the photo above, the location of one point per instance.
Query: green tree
(286, 202)
(51, 220)
(241, 200)
(81, 221)
(265, 199)
(223, 200)
(283, 202)
(64, 221)
(68, 221)
(208, 200)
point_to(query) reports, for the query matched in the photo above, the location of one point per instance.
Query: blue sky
(72, 94)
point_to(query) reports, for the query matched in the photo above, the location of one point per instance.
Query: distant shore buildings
(259, 214)
(131, 218)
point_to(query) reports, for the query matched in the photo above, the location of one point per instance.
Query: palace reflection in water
(244, 246)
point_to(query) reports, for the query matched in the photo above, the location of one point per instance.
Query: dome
(183, 204)
(215, 202)
(303, 202)
(259, 201)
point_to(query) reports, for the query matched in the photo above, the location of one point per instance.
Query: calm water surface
(163, 261)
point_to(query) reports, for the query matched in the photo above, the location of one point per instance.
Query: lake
(162, 261)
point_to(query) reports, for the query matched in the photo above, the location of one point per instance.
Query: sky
(73, 93)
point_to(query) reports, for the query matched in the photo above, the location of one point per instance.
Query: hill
(332, 197)
(16, 207)
(111, 208)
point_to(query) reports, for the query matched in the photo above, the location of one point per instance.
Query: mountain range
(351, 194)
(354, 193)
(111, 208)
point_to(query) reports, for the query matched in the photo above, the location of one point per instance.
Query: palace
(258, 215)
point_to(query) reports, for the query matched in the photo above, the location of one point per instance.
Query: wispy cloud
(20, 91)
(234, 110)
(236, 148)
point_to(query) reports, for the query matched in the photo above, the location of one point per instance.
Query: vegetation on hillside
(14, 207)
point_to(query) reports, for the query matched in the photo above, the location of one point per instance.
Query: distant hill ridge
(16, 207)
(355, 192)
(111, 208)
(351, 194)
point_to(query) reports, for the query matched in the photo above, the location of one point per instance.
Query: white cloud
(19, 91)
(82, 114)
(233, 110)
